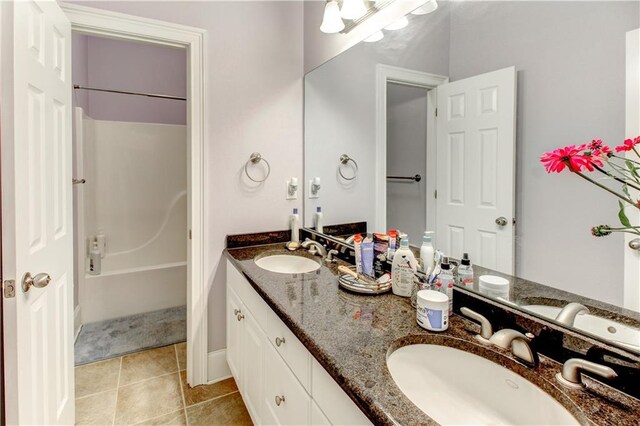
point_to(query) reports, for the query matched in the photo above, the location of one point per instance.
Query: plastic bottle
(319, 222)
(445, 278)
(357, 248)
(393, 244)
(403, 270)
(465, 272)
(367, 256)
(95, 260)
(427, 252)
(294, 222)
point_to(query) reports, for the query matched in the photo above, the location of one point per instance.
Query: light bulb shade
(331, 22)
(400, 23)
(377, 36)
(353, 9)
(428, 7)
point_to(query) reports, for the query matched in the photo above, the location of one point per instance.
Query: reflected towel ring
(344, 160)
(255, 158)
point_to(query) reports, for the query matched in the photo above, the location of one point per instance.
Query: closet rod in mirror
(122, 92)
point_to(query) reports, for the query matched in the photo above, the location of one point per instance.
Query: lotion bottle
(294, 222)
(403, 270)
(427, 252)
(95, 260)
(319, 222)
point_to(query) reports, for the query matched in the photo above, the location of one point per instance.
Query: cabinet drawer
(317, 416)
(290, 348)
(332, 400)
(250, 298)
(285, 400)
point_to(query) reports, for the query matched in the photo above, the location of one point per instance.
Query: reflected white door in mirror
(476, 168)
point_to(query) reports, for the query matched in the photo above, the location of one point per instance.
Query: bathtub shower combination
(133, 205)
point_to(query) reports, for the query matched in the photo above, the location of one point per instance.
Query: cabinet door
(317, 416)
(285, 400)
(253, 344)
(234, 333)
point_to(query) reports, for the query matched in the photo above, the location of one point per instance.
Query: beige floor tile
(181, 349)
(206, 392)
(228, 410)
(97, 409)
(97, 377)
(175, 418)
(148, 364)
(148, 399)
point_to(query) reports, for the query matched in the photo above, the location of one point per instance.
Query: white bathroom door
(475, 168)
(37, 233)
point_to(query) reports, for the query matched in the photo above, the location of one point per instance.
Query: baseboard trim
(217, 367)
(77, 325)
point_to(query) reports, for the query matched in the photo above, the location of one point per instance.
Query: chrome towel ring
(254, 159)
(344, 160)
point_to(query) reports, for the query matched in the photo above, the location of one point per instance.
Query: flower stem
(623, 198)
(622, 181)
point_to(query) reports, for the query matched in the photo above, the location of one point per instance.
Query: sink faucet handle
(571, 372)
(486, 330)
(521, 349)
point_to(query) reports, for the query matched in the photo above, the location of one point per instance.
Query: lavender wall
(254, 100)
(124, 65)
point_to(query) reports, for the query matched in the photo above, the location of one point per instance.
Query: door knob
(634, 244)
(39, 281)
(501, 221)
(279, 400)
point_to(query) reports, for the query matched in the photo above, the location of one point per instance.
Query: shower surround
(136, 195)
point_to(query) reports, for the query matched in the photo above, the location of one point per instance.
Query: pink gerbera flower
(595, 144)
(603, 151)
(628, 145)
(570, 156)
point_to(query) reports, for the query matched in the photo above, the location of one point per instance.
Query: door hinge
(9, 289)
(189, 233)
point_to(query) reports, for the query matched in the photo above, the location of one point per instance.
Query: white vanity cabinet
(279, 380)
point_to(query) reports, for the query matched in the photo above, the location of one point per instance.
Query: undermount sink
(456, 387)
(287, 264)
(602, 327)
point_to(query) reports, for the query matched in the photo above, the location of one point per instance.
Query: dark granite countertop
(350, 336)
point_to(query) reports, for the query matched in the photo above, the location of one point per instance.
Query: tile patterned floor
(149, 388)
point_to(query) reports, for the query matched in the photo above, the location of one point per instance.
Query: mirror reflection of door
(406, 158)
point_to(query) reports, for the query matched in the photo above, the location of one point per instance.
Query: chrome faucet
(571, 376)
(507, 338)
(567, 316)
(315, 248)
(331, 256)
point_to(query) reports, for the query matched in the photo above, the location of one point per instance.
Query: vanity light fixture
(353, 9)
(426, 8)
(332, 22)
(399, 24)
(377, 36)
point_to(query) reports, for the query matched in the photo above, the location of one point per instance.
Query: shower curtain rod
(150, 95)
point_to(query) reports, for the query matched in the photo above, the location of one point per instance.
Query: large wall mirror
(438, 123)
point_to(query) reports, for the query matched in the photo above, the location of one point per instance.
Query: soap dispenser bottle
(319, 221)
(403, 270)
(465, 272)
(95, 260)
(427, 252)
(294, 222)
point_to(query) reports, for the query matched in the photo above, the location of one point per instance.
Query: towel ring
(255, 158)
(344, 160)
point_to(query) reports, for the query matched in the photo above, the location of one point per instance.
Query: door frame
(103, 23)
(390, 74)
(631, 293)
